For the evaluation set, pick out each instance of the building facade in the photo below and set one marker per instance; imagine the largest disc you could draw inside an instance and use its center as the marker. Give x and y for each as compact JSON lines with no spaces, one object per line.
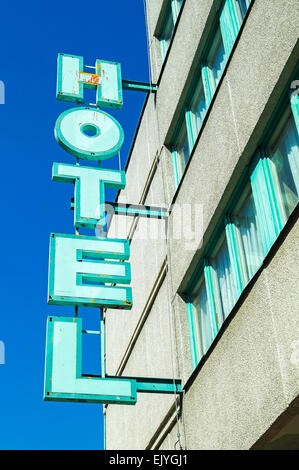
{"x":215,"y":301}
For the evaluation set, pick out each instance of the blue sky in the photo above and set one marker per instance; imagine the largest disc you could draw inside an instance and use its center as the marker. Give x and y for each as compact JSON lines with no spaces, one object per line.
{"x":31,"y":35}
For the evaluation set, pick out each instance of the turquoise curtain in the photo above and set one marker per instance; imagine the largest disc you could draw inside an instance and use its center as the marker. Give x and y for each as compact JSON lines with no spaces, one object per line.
{"x":203,"y":324}
{"x":243,"y":6}
{"x":176,"y":6}
{"x":229,"y":25}
{"x":295,"y":109}
{"x":262,"y":195}
{"x":285,"y":170}
{"x":223,"y":283}
{"x":207,"y":84}
{"x":233,"y":253}
{"x":219,"y":63}
{"x":208,"y":274}
{"x":249,"y":240}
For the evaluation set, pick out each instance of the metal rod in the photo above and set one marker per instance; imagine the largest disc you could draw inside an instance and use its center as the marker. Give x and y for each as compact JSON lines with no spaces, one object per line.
{"x":103,"y":344}
{"x":139,"y":86}
{"x":150,"y":384}
{"x":138,"y":210}
{"x":91,"y":332}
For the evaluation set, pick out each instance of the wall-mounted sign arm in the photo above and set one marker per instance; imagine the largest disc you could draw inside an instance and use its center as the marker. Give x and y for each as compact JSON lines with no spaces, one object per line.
{"x":154,"y":385}
{"x":136,"y":210}
{"x":139,"y":86}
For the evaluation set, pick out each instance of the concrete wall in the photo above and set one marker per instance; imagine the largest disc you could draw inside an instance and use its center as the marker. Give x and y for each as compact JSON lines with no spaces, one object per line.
{"x":249,"y":379}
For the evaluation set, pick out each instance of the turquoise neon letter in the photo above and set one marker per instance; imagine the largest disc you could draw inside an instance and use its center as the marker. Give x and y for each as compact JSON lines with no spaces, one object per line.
{"x":71,"y":80}
{"x":78,"y":272}
{"x":63,"y":371}
{"x":89,"y":133}
{"x":90,"y":183}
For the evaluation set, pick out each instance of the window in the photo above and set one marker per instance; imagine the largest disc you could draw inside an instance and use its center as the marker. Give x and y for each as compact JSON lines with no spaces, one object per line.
{"x":181,"y":152}
{"x":176,"y":6}
{"x":223,"y":282}
{"x":202,"y":320}
{"x":284,"y":164}
{"x":231,"y":18}
{"x":248,"y":237}
{"x":198,"y":109}
{"x":216,"y":60}
{"x":170,"y":19}
{"x":242,"y":7}
{"x":166,"y":33}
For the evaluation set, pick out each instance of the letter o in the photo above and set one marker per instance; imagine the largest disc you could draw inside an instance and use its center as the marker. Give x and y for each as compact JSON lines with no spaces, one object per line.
{"x":90,"y":134}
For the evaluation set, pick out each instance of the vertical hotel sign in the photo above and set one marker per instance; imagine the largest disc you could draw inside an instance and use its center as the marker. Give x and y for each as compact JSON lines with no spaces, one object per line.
{"x":85,"y":270}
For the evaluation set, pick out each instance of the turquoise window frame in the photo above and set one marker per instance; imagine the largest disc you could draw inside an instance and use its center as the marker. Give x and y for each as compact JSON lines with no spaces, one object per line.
{"x":258,"y":177}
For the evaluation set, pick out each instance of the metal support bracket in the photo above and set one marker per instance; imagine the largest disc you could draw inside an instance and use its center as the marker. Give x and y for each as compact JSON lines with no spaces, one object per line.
{"x":149,"y":384}
{"x":138,"y":210}
{"x":152,"y":212}
{"x":139,"y":86}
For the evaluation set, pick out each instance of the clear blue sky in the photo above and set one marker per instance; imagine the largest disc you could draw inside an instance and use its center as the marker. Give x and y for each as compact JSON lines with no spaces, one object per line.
{"x":32,"y":206}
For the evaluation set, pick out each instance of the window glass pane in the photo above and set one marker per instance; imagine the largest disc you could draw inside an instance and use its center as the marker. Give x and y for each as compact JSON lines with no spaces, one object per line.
{"x":217,"y":58}
{"x":249,"y":241}
{"x":285,"y":169}
{"x":198,"y":109}
{"x":167,"y":33}
{"x":203,"y":329}
{"x":223,"y":282}
{"x":182,"y":151}
{"x":242,"y":7}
